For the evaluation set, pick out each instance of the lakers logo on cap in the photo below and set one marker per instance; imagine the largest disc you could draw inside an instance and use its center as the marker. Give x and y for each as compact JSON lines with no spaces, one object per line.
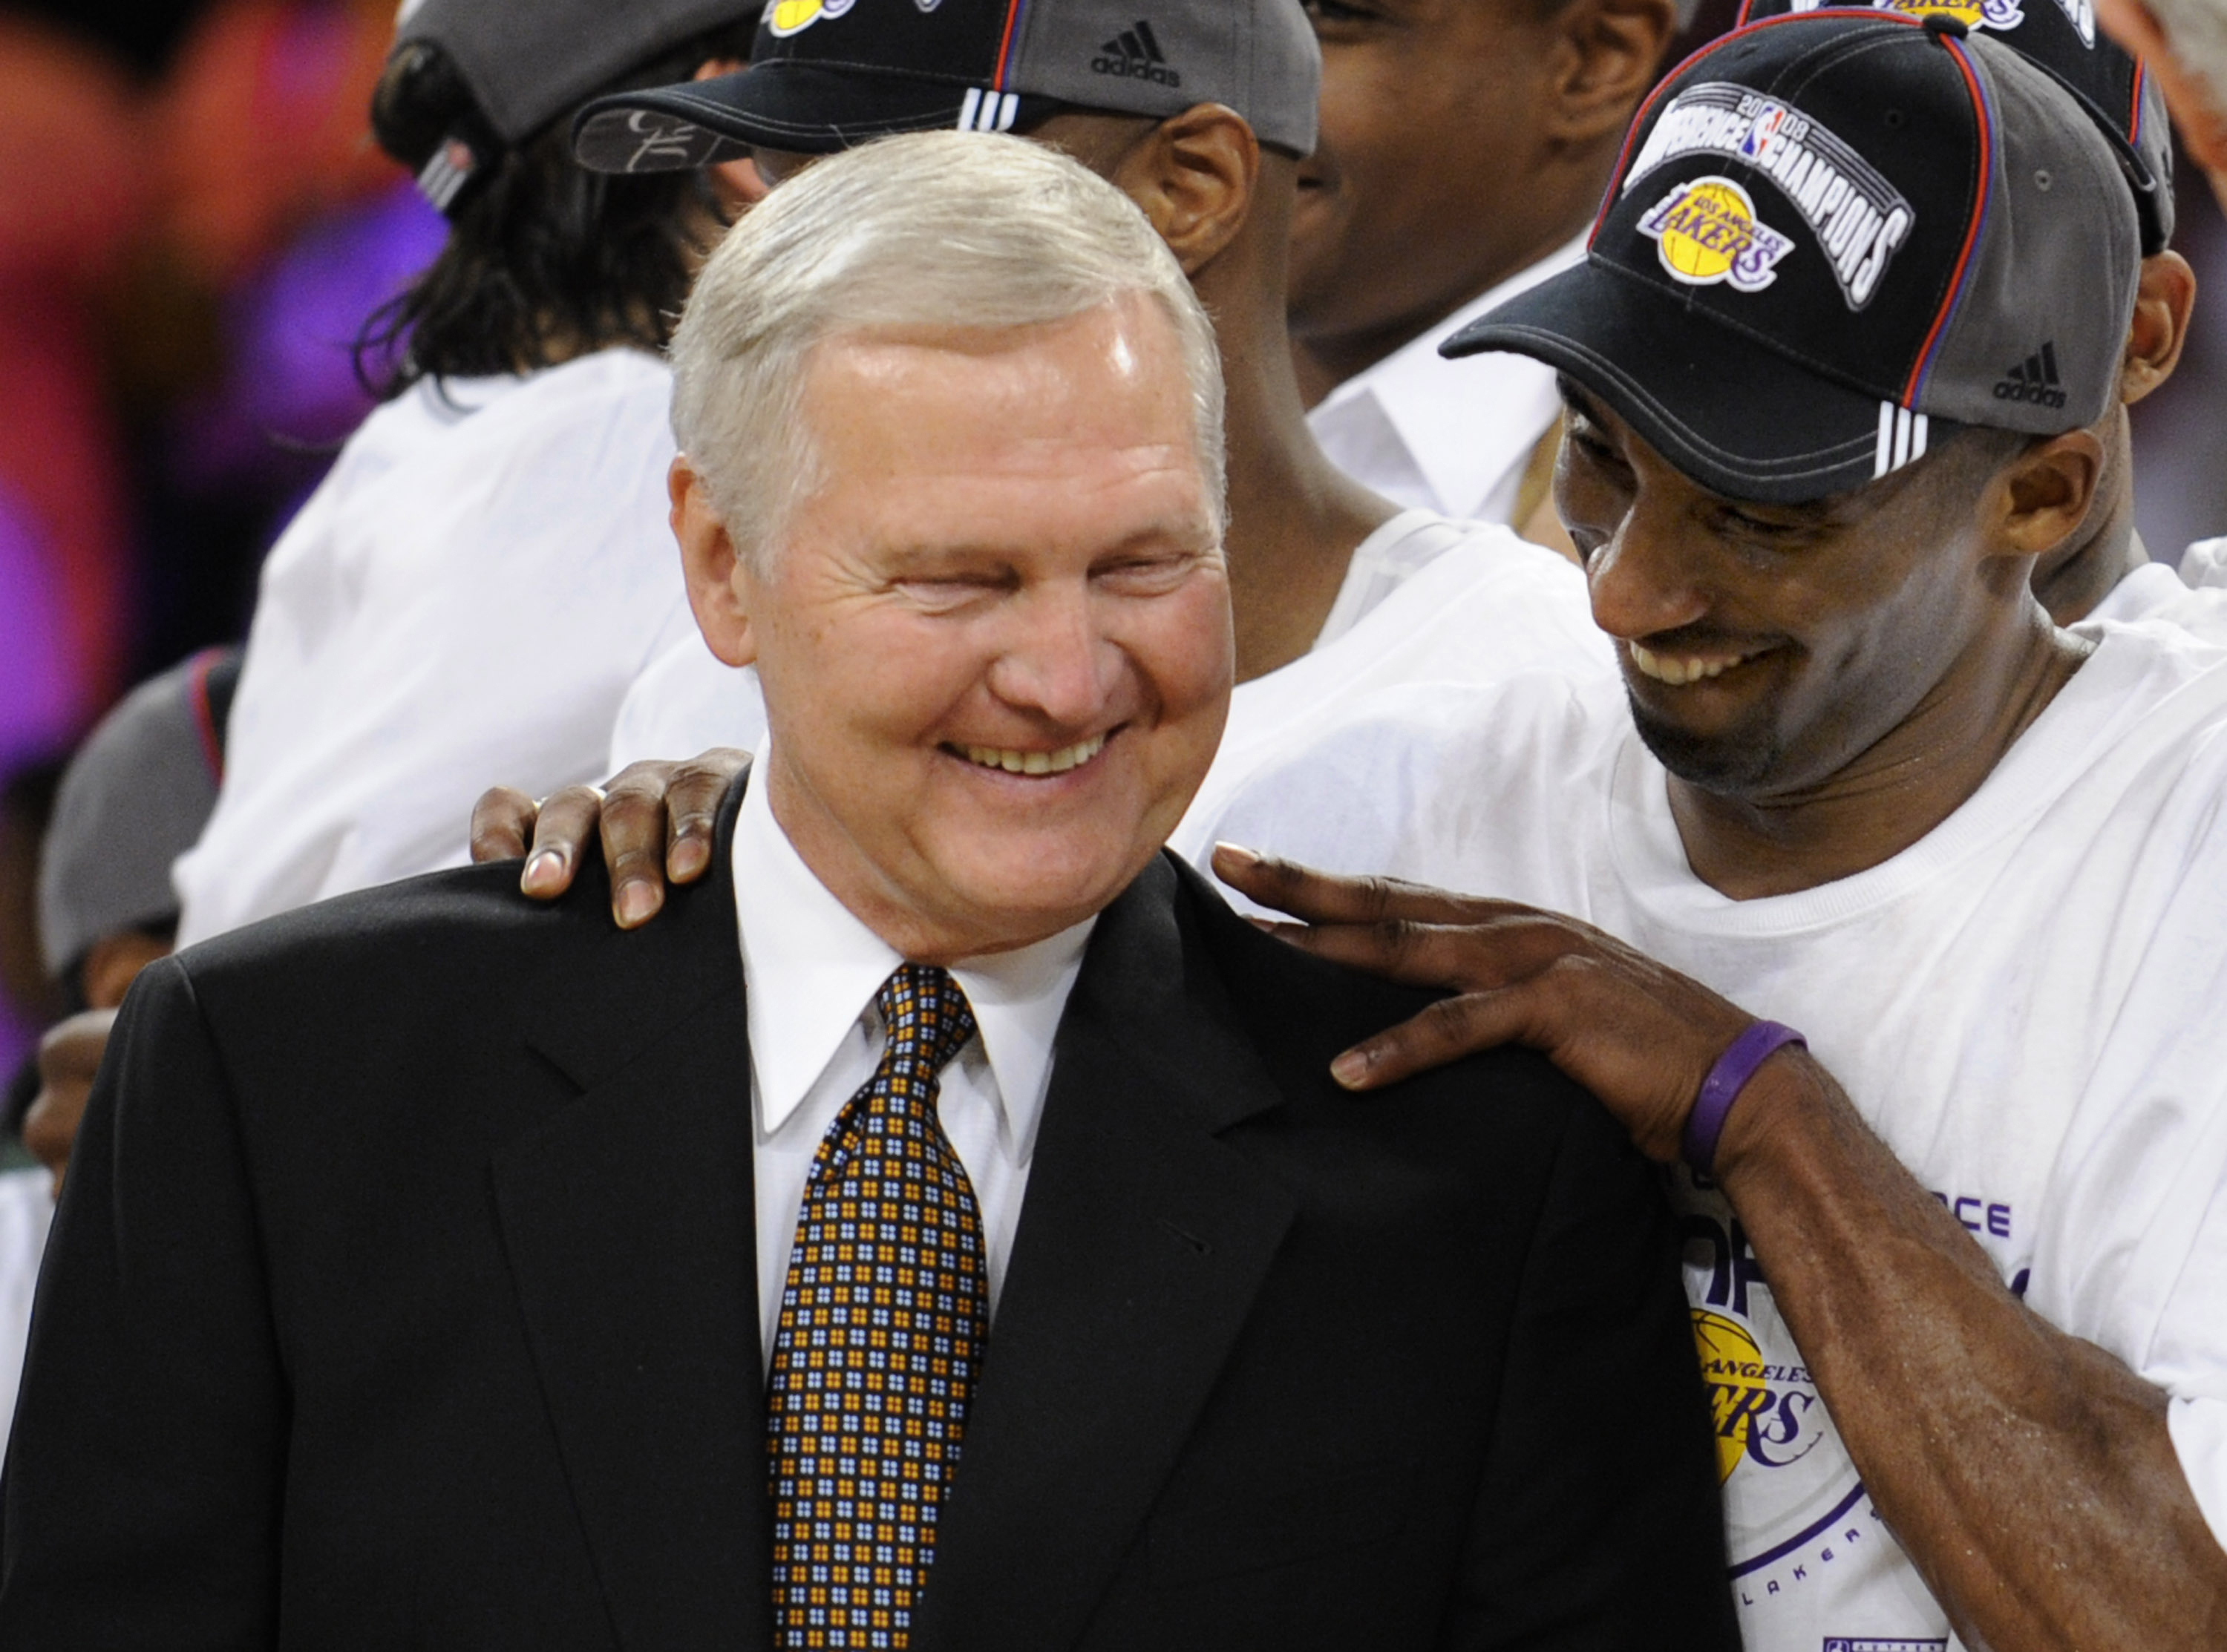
{"x":1706,"y":232}
{"x":786,"y":17}
{"x":1998,"y":15}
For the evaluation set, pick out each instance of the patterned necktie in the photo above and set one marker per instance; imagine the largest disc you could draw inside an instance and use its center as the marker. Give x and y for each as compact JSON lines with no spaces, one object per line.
{"x":882,"y":1325}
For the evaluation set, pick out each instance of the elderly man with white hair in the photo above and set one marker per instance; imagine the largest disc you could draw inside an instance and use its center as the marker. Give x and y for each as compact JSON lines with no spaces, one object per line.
{"x":941,"y":1230}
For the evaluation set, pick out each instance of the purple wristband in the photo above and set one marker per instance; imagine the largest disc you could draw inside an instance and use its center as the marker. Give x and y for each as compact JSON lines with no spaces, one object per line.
{"x":1725,"y":1083}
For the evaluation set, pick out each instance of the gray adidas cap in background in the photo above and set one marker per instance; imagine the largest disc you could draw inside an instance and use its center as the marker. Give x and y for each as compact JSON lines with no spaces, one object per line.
{"x":528,"y":61}
{"x":825,"y":74}
{"x":134,"y":798}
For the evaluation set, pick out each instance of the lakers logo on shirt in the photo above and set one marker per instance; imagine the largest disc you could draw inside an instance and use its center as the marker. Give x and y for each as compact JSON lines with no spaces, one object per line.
{"x":1706,"y":231}
{"x":786,"y":17}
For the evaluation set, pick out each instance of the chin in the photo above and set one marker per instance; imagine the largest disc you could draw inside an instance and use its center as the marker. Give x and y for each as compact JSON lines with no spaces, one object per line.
{"x":1734,"y":762}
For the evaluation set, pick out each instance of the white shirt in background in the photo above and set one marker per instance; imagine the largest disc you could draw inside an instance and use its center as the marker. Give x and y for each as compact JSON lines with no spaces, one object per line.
{"x":1451,"y":436}
{"x":2025,"y":1005}
{"x":1425,"y":600}
{"x":2204,"y":564}
{"x":26,"y":1210}
{"x":462,"y":602}
{"x":811,"y":972}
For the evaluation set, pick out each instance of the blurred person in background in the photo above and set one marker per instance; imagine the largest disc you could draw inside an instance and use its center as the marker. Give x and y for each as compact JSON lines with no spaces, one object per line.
{"x":1465,"y":147}
{"x":2185,"y":44}
{"x":71,"y":194}
{"x":134,"y":796}
{"x":486,"y":566}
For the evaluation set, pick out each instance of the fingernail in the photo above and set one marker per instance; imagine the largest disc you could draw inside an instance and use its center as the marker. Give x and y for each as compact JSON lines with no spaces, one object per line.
{"x":543,"y":872}
{"x":689,"y":855}
{"x":1238,"y":853}
{"x":1350,"y":1068}
{"x":637,"y":904}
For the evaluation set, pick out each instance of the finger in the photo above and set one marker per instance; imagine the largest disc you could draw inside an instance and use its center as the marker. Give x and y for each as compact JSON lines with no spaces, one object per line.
{"x":1443,"y":1031}
{"x":634,"y":827}
{"x":1327,"y":897}
{"x":502,"y":821}
{"x":1463,"y":958}
{"x":692,"y":805}
{"x":562,"y":831}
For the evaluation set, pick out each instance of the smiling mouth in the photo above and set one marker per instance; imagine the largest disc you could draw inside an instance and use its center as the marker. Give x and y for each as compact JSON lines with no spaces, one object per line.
{"x":1679,"y":670}
{"x":1061,"y":762}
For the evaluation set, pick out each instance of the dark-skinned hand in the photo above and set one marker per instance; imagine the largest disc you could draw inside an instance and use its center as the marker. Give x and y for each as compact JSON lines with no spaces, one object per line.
{"x":656,"y":819}
{"x":1639,"y":1035}
{"x":69,"y":1056}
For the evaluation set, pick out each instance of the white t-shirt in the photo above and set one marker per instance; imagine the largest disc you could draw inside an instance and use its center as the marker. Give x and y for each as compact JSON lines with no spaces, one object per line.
{"x":462,"y":602}
{"x":2025,"y":1005}
{"x":1425,"y":600}
{"x":1447,"y":435}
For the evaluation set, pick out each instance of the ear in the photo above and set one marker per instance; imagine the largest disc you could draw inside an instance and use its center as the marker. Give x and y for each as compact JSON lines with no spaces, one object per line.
{"x":720,"y":588}
{"x":2160,"y":329}
{"x":2040,"y":499}
{"x":1603,"y":61}
{"x":1194,"y":176}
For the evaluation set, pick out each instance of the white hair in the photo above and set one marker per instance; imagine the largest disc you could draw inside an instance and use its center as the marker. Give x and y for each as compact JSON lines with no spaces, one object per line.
{"x":930,"y":231}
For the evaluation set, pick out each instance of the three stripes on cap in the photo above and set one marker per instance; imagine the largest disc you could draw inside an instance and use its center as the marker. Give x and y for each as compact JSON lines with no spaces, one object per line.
{"x":988,"y":112}
{"x":1901,"y":439}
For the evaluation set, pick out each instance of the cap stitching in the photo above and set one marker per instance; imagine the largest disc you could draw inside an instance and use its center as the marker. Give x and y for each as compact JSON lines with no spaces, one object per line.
{"x":1984,"y":113}
{"x":1013,"y":10}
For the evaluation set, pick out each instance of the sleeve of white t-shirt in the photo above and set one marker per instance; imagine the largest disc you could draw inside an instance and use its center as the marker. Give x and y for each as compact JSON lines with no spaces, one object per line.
{"x":687,"y":700}
{"x":2134,"y":1258}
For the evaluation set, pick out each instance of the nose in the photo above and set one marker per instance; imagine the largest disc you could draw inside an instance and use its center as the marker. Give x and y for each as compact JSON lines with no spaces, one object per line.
{"x":1057,"y":663}
{"x":1642,"y":581}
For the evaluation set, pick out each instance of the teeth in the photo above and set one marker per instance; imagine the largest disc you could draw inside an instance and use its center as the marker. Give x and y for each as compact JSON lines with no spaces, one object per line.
{"x":1679,"y":673}
{"x":1035,"y":762}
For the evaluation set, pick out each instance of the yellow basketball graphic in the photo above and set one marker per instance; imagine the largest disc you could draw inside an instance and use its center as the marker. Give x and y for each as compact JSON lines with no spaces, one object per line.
{"x":1703,"y":232}
{"x":1707,"y":231}
{"x":786,"y":16}
{"x":1732,"y":1365}
{"x":1973,"y":14}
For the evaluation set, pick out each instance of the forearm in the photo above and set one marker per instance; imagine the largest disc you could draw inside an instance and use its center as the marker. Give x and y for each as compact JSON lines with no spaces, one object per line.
{"x":2028,"y":1473}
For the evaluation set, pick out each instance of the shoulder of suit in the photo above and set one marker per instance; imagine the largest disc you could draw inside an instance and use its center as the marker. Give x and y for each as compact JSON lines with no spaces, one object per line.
{"x":466,"y":928}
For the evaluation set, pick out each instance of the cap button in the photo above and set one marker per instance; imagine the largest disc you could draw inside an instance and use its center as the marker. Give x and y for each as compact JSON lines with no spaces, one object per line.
{"x":1943,"y":23}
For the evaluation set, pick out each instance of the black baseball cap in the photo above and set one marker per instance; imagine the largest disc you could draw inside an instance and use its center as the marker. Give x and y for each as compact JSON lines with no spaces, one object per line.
{"x":529,"y":61}
{"x":2110,"y":82}
{"x":825,"y":74}
{"x":1833,"y":238}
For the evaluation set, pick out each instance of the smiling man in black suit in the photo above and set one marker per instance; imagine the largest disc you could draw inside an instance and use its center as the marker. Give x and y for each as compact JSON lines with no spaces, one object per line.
{"x":943,"y":1231}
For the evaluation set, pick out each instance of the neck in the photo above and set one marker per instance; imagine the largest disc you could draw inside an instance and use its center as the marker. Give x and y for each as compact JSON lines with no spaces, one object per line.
{"x":1294,"y":518}
{"x":1895,"y":792}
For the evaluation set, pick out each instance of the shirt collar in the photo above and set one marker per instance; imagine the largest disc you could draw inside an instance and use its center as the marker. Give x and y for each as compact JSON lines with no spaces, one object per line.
{"x":1462,"y":440}
{"x":811,"y":970}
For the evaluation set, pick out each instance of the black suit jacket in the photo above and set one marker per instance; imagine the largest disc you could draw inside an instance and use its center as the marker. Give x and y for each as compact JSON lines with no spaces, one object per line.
{"x":402,"y":1295}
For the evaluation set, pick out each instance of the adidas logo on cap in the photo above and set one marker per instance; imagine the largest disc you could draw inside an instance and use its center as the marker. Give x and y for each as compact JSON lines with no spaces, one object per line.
{"x":1135,"y":55}
{"x":2033,"y":379}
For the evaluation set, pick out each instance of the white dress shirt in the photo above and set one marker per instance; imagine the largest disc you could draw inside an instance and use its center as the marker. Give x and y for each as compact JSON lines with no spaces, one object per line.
{"x":810,"y":971}
{"x":1451,"y":436}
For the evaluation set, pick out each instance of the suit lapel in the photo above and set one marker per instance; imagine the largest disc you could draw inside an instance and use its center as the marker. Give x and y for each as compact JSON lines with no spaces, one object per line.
{"x":629,"y":1225}
{"x":1142,"y":1244}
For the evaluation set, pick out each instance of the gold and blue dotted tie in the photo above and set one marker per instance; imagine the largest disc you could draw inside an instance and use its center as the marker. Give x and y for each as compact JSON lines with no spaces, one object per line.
{"x":884,"y":1322}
